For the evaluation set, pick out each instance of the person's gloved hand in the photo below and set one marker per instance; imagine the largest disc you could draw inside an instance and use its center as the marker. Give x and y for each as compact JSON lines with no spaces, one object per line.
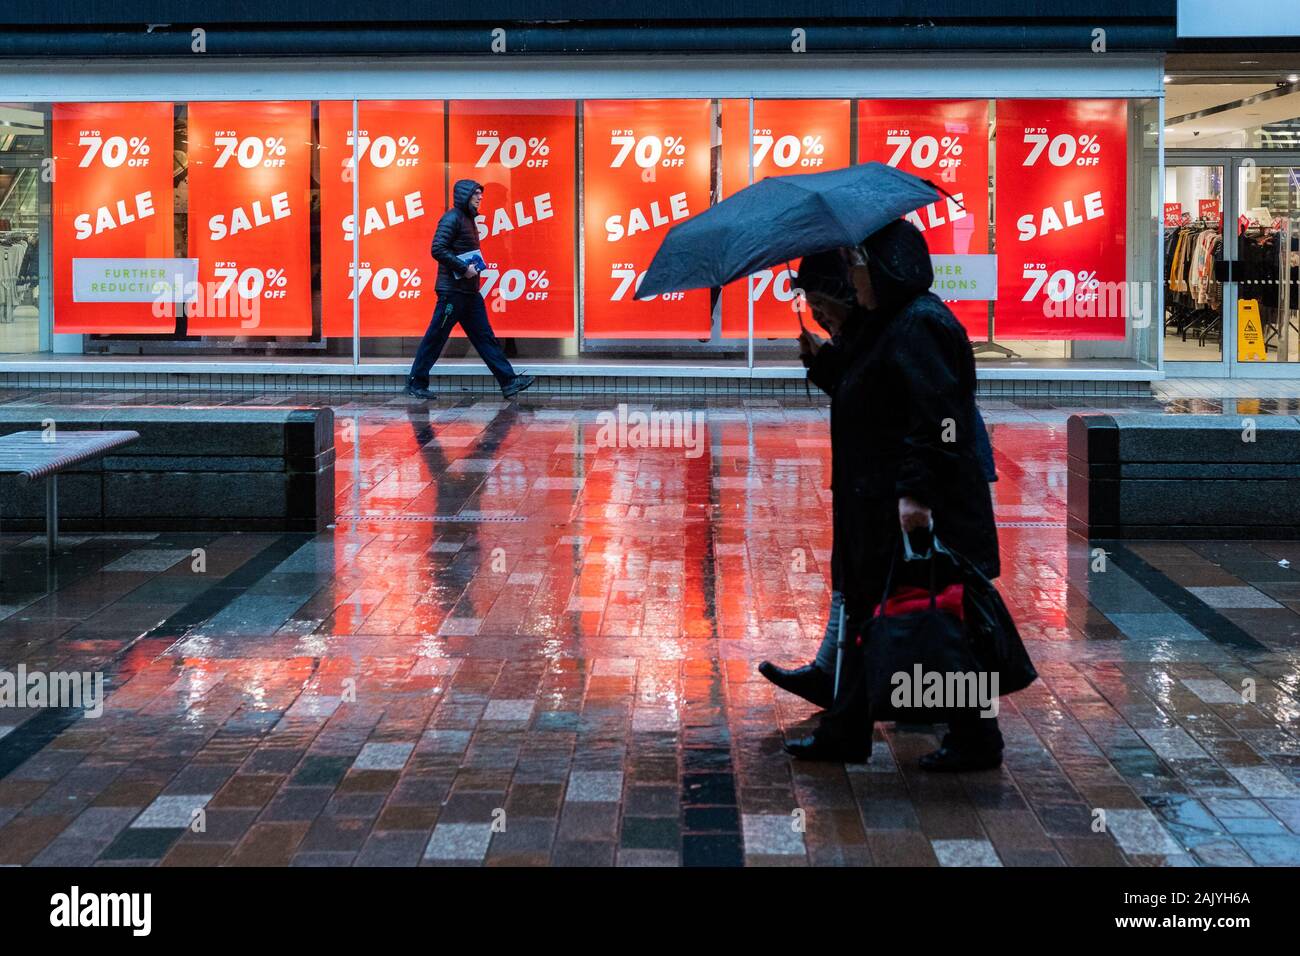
{"x":809,"y":344}
{"x":913,"y":515}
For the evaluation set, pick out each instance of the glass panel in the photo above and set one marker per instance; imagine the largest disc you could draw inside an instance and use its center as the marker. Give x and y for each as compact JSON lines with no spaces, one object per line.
{"x":788,"y":136}
{"x":524,"y":155}
{"x":1193,"y":238}
{"x":1075,"y":233}
{"x":24,"y":184}
{"x":647,"y":164}
{"x":1268,"y":250}
{"x":189,"y":229}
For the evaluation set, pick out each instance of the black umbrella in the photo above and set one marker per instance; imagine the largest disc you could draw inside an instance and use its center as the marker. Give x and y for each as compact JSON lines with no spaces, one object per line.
{"x":779,"y":219}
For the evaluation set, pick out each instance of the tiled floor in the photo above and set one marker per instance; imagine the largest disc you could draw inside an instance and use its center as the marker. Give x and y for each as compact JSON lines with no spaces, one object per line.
{"x":522,"y":647}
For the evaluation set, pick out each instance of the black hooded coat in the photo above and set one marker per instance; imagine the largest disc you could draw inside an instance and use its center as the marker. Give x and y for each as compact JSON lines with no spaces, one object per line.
{"x":903,"y":423}
{"x":456,"y":233}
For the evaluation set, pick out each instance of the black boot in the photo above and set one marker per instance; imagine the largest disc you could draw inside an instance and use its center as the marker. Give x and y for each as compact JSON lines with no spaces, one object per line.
{"x":951,"y":760}
{"x":809,"y":682}
{"x":972,"y":743}
{"x":420,"y":391}
{"x":821,"y":746}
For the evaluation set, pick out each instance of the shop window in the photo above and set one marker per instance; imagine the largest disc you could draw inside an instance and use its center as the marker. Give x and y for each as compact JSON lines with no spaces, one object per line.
{"x":282,"y":246}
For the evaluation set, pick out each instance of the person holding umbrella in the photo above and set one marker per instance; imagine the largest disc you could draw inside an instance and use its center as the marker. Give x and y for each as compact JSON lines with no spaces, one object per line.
{"x":903,"y":372}
{"x":905,"y":459}
{"x":827,"y":286}
{"x":824,"y":281}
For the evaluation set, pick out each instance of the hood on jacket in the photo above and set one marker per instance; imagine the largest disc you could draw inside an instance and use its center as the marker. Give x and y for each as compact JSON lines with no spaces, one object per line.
{"x":461,"y":192}
{"x":899,"y":262}
{"x":826,"y":273}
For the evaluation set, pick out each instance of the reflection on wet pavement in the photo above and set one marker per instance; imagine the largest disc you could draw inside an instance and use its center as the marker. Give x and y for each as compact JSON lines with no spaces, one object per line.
{"x":523,"y":645}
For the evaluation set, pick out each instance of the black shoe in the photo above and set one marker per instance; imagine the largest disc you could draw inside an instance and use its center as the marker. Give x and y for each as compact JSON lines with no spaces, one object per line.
{"x":517,"y":385}
{"x":415,"y":391}
{"x":821,"y":747}
{"x":809,"y":682}
{"x":950,"y":760}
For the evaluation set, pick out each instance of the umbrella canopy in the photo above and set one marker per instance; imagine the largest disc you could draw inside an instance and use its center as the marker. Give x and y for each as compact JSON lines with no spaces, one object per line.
{"x":779,"y":219}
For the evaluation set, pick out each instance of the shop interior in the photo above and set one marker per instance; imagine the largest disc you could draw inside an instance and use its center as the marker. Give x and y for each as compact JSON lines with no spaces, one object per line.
{"x":1232,"y":192}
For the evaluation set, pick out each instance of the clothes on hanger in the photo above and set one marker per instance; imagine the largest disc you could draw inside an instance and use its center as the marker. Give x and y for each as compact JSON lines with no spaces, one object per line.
{"x":1193,"y":295}
{"x":13,"y":252}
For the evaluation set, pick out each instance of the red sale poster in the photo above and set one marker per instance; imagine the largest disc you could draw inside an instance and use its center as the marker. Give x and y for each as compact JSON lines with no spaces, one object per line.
{"x":112,"y":198}
{"x":524,"y":154}
{"x":789,"y":136}
{"x":1061,"y":211}
{"x":250,"y":218}
{"x":401,"y":191}
{"x":645,"y":168}
{"x":945,"y":141}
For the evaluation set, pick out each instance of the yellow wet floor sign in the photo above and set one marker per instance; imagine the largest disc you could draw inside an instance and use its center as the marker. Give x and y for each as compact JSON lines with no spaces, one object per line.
{"x":1250,"y":332}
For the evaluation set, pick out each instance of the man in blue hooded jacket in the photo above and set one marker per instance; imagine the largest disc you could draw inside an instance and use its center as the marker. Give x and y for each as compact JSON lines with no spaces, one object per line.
{"x":459,"y":299}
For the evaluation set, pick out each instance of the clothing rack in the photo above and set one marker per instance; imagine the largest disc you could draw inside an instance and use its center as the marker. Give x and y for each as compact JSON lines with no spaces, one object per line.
{"x":14,"y":246}
{"x":1193,"y":299}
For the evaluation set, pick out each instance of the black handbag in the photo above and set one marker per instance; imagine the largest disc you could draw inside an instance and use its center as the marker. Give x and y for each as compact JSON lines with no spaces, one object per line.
{"x":921,"y":666}
{"x":992,"y":630}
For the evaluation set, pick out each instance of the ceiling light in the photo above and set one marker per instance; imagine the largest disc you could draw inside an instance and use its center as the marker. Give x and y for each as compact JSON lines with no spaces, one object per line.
{"x":1168,"y":77}
{"x":1293,"y":78}
{"x":1249,"y":62}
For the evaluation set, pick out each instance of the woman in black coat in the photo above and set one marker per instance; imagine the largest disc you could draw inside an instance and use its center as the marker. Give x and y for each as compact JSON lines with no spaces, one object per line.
{"x":904,"y":454}
{"x":826,"y":282}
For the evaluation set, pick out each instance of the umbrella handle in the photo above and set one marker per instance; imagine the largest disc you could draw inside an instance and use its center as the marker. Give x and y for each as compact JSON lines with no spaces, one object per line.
{"x":798,"y":311}
{"x":938,"y":188}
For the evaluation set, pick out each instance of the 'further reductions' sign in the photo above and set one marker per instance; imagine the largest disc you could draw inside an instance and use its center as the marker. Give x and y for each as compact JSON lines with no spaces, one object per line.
{"x":112,"y":198}
{"x":250,"y":218}
{"x":645,"y":168}
{"x":523,"y":154}
{"x":945,"y":141}
{"x":1061,"y":213}
{"x":789,"y":136}
{"x":401,"y":192}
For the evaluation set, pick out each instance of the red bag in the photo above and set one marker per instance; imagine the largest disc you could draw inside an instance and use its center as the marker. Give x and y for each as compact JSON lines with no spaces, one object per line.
{"x":910,"y":600}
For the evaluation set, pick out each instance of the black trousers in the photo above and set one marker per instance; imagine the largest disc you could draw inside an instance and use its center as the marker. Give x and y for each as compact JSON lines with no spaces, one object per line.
{"x":468,"y":309}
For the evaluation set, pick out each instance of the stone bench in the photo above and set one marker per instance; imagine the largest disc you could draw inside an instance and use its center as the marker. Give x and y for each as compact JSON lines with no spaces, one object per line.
{"x":194,"y":468}
{"x":1184,"y":476}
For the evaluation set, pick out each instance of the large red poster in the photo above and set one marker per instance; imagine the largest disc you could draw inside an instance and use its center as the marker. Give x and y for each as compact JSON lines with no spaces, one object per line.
{"x":789,"y":136}
{"x":112,"y":198}
{"x":945,"y":141}
{"x":1061,"y":213}
{"x":250,"y":218}
{"x":523,"y":152}
{"x":401,"y":192}
{"x":645,"y":168}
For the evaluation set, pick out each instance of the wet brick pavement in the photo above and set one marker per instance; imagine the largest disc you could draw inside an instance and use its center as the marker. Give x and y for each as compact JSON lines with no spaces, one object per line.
{"x":521,"y":647}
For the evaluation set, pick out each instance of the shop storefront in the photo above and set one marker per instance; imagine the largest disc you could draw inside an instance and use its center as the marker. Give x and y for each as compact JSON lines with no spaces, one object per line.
{"x":260,"y":213}
{"x":1231,"y":208}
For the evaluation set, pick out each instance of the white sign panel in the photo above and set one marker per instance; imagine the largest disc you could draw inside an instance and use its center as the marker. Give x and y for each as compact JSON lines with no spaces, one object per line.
{"x":965,"y":278}
{"x":133,"y":280}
